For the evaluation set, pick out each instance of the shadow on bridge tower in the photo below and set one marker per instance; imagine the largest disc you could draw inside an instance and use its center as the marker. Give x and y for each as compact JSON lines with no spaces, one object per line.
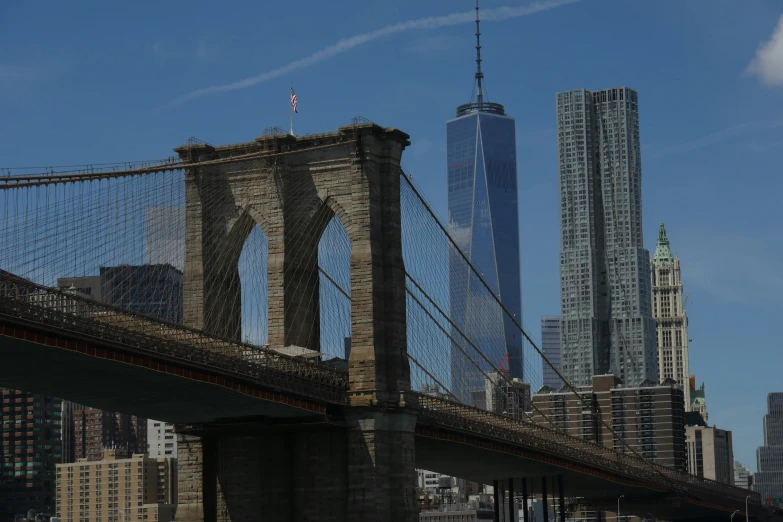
{"x":361,"y":467}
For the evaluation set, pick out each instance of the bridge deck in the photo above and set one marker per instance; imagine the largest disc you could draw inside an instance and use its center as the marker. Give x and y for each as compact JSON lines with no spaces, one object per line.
{"x":185,"y":376}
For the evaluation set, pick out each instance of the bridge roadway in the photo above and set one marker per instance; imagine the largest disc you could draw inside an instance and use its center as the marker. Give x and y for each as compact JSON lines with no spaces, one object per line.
{"x":61,"y":345}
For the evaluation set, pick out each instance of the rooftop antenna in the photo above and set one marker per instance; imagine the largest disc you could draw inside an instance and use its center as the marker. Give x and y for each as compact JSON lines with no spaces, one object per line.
{"x":479,"y":105}
{"x":479,"y":74}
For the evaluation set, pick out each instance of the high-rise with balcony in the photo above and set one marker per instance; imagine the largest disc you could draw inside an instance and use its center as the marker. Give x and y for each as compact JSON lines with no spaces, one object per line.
{"x":669,"y":314}
{"x":606,"y":321}
{"x":484,"y":222}
{"x":31,"y":447}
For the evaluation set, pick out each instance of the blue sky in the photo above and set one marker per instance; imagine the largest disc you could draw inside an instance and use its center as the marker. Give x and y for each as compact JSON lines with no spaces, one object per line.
{"x":93,"y":82}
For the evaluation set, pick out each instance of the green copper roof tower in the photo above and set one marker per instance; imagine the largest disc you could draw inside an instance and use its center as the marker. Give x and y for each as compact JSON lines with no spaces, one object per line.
{"x":663,"y":252}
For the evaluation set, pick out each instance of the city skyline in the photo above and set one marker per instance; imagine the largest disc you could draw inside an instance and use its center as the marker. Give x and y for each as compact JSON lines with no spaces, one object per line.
{"x":688,"y":142}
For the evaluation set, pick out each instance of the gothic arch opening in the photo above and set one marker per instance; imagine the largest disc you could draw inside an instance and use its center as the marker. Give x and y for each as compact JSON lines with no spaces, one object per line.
{"x":334,"y":272}
{"x":253,"y":263}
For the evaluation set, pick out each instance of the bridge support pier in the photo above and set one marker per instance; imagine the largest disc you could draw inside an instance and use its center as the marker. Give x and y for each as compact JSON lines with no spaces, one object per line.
{"x":195,"y":469}
{"x":526,"y":513}
{"x":381,"y":463}
{"x":315,"y":473}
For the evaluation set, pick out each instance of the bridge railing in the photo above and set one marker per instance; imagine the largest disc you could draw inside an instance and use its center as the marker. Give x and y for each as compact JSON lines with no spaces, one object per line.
{"x":471,"y":420}
{"x":26,"y":302}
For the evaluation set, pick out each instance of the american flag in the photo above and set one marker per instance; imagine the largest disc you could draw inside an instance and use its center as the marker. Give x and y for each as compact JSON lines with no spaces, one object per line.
{"x":293,"y":100}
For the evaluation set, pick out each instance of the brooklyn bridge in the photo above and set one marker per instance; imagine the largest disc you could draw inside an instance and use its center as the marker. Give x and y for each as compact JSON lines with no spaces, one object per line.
{"x":311,"y":360}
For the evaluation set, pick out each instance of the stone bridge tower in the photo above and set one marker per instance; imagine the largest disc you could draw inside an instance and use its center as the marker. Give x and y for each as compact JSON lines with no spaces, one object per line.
{"x":365,"y":469}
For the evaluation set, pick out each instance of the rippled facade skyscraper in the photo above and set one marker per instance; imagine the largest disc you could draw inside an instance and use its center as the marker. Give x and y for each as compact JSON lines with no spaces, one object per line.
{"x":606,"y":323}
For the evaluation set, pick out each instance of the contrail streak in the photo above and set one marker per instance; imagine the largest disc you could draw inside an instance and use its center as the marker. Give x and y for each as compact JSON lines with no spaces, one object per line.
{"x":346,"y":44}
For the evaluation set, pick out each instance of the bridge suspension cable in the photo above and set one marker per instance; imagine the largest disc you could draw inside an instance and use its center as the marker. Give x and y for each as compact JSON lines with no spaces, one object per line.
{"x":490,"y":300}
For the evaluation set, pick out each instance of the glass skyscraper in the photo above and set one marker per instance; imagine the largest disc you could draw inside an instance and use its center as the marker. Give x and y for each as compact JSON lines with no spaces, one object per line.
{"x":606,"y":321}
{"x":483,"y":220}
{"x":484,"y":223}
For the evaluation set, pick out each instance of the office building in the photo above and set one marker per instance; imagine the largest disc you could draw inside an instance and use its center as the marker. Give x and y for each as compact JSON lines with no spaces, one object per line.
{"x":710,"y":453}
{"x":669,"y":314}
{"x":698,"y":399}
{"x":550,"y":345}
{"x":161,"y":439}
{"x":117,"y":488}
{"x":67,"y":430}
{"x":483,"y":220}
{"x":743,"y":478}
{"x":606,"y":323}
{"x":649,"y":416}
{"x":768,"y":479}
{"x":154,"y":290}
{"x":31,"y":447}
{"x":96,"y":430}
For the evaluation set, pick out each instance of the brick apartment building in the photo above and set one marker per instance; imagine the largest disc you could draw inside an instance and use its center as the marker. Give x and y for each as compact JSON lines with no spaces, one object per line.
{"x":650,"y":416}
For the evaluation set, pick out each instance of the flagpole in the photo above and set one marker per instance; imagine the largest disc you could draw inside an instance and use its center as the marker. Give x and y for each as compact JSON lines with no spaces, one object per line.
{"x":291,"y":109}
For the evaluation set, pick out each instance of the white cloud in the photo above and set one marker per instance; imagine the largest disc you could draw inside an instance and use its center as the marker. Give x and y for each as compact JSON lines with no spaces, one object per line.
{"x":346,"y":44}
{"x":434,"y":45}
{"x":716,"y":137}
{"x":163,"y":53}
{"x":768,"y":62}
{"x":206,"y":53}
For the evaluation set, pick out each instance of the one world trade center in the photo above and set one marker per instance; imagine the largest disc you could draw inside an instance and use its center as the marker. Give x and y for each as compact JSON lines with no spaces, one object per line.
{"x":484,"y":223}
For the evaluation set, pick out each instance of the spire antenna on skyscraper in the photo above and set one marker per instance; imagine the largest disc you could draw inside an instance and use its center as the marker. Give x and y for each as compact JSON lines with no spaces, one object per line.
{"x":479,"y":74}
{"x":479,"y":105}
